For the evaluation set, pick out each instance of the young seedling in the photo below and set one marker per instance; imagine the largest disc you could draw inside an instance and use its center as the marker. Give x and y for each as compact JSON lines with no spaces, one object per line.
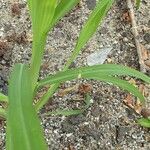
{"x":138,"y":3}
{"x":23,"y":126}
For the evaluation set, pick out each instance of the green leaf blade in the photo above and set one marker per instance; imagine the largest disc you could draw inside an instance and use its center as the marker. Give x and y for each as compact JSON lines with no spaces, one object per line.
{"x":144,"y":122}
{"x":3,"y":98}
{"x":120,"y":83}
{"x":42,"y":12}
{"x":104,"y":73}
{"x":62,"y":8}
{"x":90,"y":27}
{"x":105,"y":69}
{"x":23,"y":127}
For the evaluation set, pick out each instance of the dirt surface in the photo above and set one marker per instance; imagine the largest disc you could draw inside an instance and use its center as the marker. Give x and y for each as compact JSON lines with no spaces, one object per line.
{"x":108,"y":124}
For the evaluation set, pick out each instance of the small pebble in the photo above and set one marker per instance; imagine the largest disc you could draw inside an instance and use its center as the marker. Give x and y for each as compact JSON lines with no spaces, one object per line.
{"x":125,"y":39}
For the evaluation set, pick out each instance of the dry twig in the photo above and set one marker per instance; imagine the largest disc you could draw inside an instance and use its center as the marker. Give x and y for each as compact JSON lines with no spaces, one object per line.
{"x":136,"y":35}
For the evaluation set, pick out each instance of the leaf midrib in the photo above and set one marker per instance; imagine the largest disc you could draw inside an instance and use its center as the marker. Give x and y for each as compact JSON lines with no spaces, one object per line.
{"x":21,"y":109}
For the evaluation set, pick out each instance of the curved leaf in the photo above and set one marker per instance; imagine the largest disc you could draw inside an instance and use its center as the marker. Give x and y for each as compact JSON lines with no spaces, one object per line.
{"x":90,"y":27}
{"x":23,"y":126}
{"x":70,"y":112}
{"x":120,"y":83}
{"x":105,"y":69}
{"x":62,"y":8}
{"x":87,"y":31}
{"x":100,"y":72}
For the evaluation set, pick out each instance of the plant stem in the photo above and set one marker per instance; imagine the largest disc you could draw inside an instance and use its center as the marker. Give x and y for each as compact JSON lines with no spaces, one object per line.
{"x":37,"y":55}
{"x":46,"y":96}
{"x":136,"y":35}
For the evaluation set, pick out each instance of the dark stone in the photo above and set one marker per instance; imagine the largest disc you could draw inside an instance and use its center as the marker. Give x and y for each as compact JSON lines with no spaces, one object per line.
{"x":96,"y":111}
{"x":91,"y":4}
{"x":76,"y":119}
{"x":123,"y":47}
{"x":148,"y":72}
{"x":4,"y":46}
{"x":73,"y":65}
{"x":1,"y":81}
{"x":67,"y":128}
{"x":130,"y":113}
{"x":149,"y":23}
{"x":147,"y":37}
{"x":103,"y":119}
{"x":121,"y":131}
{"x":92,"y":132}
{"x":103,"y":30}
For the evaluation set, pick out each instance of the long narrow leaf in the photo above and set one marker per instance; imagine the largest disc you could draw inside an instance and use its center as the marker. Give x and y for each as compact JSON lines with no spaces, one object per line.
{"x":70,"y":112}
{"x":114,"y":80}
{"x":23,"y":126}
{"x":62,"y":8}
{"x":120,"y":83}
{"x":100,"y":72}
{"x":42,"y":12}
{"x":105,"y":69}
{"x":90,"y":27}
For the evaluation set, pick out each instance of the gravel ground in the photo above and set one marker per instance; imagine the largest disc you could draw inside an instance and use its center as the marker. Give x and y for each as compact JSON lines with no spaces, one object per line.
{"x":108,"y":124}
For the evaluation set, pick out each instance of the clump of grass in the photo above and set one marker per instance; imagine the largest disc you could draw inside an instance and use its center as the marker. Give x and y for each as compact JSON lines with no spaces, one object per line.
{"x":23,"y":126}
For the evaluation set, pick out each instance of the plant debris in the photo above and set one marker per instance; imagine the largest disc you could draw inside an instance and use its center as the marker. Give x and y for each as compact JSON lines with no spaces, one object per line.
{"x":16,"y":9}
{"x":4,"y":46}
{"x":136,"y":105}
{"x":84,"y":88}
{"x":145,"y":112}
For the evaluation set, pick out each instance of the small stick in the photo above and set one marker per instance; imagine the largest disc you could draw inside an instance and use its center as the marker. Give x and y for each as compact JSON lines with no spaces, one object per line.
{"x":136,"y":35}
